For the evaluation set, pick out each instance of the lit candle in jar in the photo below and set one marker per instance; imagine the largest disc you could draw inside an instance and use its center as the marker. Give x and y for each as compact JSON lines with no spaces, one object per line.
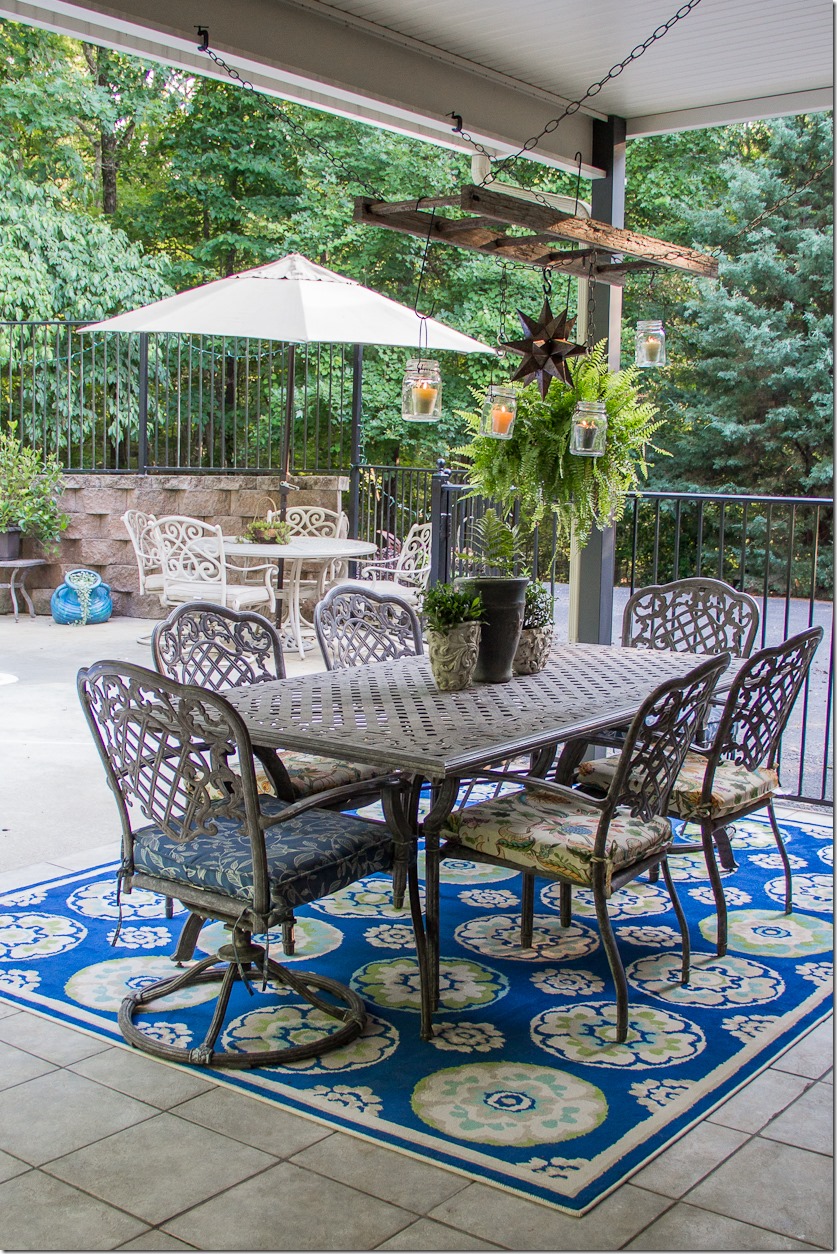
{"x":424,"y":398}
{"x":586,"y":434}
{"x":501,"y":419}
{"x":652,"y":347}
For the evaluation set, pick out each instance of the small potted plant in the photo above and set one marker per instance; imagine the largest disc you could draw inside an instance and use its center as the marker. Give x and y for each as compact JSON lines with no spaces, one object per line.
{"x":29,"y":489}
{"x":495,"y":552}
{"x":453,"y":619}
{"x":267,"y":531}
{"x":538,"y":628}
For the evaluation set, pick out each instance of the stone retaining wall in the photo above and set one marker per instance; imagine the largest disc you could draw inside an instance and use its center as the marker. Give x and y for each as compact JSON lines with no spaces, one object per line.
{"x":96,"y":537}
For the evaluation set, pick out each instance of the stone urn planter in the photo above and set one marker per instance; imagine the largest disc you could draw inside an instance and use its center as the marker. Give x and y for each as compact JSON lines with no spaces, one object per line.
{"x":453,"y":655}
{"x":532,"y":652}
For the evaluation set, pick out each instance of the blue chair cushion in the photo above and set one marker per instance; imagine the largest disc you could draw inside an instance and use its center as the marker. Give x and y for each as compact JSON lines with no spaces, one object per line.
{"x":308,"y":857}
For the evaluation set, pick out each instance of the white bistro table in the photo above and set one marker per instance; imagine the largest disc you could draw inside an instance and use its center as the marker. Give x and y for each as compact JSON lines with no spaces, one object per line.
{"x":295,"y":554}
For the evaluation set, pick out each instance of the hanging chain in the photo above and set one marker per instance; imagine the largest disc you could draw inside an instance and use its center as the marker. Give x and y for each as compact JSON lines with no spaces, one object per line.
{"x":547,"y":283}
{"x":592,"y":90}
{"x":504,"y":293}
{"x":751,"y":226}
{"x":289,"y":122}
{"x":591,"y":305}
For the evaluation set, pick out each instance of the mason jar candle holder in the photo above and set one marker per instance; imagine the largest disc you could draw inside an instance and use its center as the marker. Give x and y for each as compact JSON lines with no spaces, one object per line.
{"x":421,"y":392}
{"x":589,"y":429}
{"x":650,"y":343}
{"x":498,"y":413}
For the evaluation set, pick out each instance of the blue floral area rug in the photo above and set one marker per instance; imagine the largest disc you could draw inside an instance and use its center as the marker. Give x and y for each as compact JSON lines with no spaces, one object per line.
{"x":522,"y":1085}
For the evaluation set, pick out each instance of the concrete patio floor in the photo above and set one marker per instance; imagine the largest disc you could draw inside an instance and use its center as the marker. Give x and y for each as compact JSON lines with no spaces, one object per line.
{"x":104,"y":1148}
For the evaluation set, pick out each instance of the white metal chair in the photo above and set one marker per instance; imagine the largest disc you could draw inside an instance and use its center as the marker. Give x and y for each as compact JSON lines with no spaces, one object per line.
{"x":408,"y":577}
{"x":316,"y":520}
{"x":195,"y":567}
{"x":140,"y":528}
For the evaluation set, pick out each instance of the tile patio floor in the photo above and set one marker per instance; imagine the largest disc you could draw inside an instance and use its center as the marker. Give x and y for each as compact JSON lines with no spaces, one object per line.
{"x":102,"y":1148}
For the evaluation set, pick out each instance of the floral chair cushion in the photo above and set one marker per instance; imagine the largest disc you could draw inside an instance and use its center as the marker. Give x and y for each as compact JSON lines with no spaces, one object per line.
{"x":555,"y":836}
{"x":310,"y":775}
{"x":733,"y":786}
{"x":308,"y":857}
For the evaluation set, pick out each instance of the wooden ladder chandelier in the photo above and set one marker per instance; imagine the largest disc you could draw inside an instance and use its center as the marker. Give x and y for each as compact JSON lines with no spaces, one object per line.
{"x":602,"y":253}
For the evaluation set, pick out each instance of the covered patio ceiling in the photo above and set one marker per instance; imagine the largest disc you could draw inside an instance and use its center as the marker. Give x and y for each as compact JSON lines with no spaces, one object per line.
{"x":505,"y":66}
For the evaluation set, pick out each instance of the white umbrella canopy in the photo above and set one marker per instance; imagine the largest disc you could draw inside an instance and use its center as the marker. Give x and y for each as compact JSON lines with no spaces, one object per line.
{"x":296,"y":301}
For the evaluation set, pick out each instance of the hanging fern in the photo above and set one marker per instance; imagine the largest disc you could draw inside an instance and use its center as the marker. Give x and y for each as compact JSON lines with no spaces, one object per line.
{"x":535,"y":466}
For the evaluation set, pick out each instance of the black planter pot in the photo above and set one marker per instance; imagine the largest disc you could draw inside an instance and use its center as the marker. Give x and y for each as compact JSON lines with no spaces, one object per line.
{"x":10,"y":544}
{"x":503,"y":600}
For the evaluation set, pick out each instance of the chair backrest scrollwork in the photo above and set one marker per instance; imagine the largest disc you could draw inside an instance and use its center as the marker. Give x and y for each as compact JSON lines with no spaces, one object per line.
{"x":166,"y":750}
{"x":693,"y":616}
{"x":760,"y":702}
{"x":413,"y":563}
{"x":217,"y":648}
{"x":316,"y":520}
{"x":658,"y":739}
{"x":140,"y":528}
{"x":192,"y":552}
{"x":355,"y":626}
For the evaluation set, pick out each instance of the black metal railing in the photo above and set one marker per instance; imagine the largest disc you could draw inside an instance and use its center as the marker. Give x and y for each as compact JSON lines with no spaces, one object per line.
{"x":109,"y":401}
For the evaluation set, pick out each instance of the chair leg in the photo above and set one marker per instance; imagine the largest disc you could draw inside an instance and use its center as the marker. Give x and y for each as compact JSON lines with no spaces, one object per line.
{"x":614,"y":958}
{"x":566,"y":901}
{"x":685,"y":943}
{"x":188,"y":939}
{"x":706,"y":833}
{"x":722,"y":840}
{"x":527,"y":909}
{"x":431,"y":891}
{"x":783,"y":853}
{"x":288,"y":940}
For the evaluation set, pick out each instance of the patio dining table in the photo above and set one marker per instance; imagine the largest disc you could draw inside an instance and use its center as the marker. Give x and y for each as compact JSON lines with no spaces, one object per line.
{"x":302,"y":550}
{"x":391,"y":715}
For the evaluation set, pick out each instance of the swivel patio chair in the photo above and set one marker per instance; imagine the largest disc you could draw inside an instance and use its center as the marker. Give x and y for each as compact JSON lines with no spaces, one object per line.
{"x":559,"y":833}
{"x":139,"y":526}
{"x":197,"y":830}
{"x":407,"y":577}
{"x":195,"y":567}
{"x":738,"y":773}
{"x":356,"y":625}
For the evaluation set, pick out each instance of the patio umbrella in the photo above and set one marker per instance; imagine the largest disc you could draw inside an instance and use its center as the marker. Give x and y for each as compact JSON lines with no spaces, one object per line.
{"x":296,"y":301}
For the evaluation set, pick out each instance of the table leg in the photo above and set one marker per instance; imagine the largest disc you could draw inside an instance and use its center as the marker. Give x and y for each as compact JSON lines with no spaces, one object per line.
{"x":444,"y":799}
{"x":293,"y":607}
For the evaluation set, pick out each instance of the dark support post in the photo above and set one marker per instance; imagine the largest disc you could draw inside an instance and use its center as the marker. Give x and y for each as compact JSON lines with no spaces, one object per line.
{"x":354,"y":451}
{"x":598,"y":558}
{"x":440,"y":526}
{"x":142,"y":401}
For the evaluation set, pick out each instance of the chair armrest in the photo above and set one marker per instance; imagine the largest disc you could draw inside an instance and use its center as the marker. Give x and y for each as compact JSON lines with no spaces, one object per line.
{"x":536,"y":784}
{"x":325,"y":800}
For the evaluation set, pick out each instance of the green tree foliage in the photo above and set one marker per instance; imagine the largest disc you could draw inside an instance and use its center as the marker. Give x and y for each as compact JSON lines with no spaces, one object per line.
{"x":748,"y":397}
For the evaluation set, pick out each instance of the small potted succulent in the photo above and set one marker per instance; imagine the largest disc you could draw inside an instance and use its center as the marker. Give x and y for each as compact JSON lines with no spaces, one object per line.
{"x":495,"y":551}
{"x":30,"y":485}
{"x":267,"y":531}
{"x":453,"y":619}
{"x":538,"y":628}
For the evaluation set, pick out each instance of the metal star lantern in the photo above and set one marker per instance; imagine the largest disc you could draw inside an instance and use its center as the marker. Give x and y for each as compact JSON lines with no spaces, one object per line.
{"x":544,"y":348}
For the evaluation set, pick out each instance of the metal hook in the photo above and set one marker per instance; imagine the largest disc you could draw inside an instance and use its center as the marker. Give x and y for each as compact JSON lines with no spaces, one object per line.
{"x":457,"y":117}
{"x":203,"y":36}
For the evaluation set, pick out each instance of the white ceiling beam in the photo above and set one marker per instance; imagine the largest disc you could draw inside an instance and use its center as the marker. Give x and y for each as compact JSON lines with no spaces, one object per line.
{"x":310,"y":56}
{"x":732,"y":111}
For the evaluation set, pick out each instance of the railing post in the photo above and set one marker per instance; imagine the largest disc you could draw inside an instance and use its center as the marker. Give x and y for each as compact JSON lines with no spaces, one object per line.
{"x":142,"y":402}
{"x":354,"y":450}
{"x":440,"y":525}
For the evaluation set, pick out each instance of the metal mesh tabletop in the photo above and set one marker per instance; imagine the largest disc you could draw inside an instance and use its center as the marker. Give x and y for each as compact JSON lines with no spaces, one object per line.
{"x":392,"y":714}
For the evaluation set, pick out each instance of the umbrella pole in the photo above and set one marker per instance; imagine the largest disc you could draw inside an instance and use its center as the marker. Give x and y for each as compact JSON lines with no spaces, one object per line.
{"x":290,"y":388}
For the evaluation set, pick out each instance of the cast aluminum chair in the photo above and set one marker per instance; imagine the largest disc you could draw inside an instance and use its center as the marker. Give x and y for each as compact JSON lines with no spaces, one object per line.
{"x":195,"y":829}
{"x":195,"y":567}
{"x":738,"y":773}
{"x":356,"y":625}
{"x":139,"y":526}
{"x":692,"y":616}
{"x":218,"y":649}
{"x":316,"y":520}
{"x":407,"y":577}
{"x":563,"y":835}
